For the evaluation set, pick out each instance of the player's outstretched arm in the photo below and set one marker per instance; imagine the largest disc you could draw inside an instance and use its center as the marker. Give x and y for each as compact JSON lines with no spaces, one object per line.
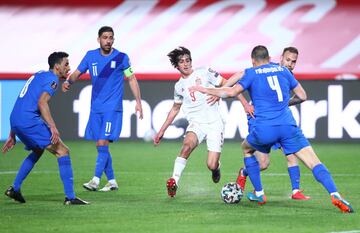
{"x":70,"y":80}
{"x":10,"y":142}
{"x":212,"y":99}
{"x":223,"y":92}
{"x":234,"y":79}
{"x":169,"y":119}
{"x":135,"y":89}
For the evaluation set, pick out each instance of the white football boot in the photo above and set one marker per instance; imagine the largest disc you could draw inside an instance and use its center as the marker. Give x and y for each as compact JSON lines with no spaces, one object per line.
{"x":91,"y":185}
{"x":113,"y":186}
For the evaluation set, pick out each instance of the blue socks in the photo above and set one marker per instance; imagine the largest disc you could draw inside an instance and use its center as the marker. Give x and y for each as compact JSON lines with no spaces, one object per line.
{"x":253,"y":170}
{"x":245,"y":173}
{"x":104,"y":162}
{"x":24,"y":170}
{"x":323,"y":176}
{"x":294,"y":173}
{"x":66,"y":175}
{"x":109,"y":171}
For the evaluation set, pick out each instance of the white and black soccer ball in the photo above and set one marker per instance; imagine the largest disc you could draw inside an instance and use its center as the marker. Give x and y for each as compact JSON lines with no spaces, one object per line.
{"x":149,"y":135}
{"x":231,"y":193}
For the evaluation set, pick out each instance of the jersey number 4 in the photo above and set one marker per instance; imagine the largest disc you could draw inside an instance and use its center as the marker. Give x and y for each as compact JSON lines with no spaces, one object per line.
{"x":275,"y":86}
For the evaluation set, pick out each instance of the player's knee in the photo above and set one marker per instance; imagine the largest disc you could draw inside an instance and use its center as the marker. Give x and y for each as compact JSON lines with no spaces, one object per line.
{"x":247,"y":149}
{"x":292,"y":161}
{"x":264,"y":164}
{"x":186,"y":149}
{"x":63,"y":150}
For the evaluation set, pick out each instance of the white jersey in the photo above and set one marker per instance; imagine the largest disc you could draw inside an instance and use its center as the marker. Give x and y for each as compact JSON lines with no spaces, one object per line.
{"x":195,"y":105}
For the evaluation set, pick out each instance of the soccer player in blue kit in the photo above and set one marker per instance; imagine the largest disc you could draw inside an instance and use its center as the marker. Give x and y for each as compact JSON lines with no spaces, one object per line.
{"x":288,"y":59}
{"x":107,"y":67}
{"x":32,"y":123}
{"x":269,"y":86}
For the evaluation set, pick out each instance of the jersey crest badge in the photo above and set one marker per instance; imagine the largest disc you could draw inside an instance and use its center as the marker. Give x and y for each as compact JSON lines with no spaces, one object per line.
{"x":198,"y":81}
{"x":54,"y":85}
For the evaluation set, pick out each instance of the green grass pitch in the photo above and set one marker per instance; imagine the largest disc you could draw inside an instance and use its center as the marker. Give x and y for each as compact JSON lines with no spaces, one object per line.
{"x":141,"y":204}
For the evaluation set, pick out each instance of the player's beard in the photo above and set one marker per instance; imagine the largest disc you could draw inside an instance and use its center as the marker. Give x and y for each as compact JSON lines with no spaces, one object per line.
{"x":106,"y":49}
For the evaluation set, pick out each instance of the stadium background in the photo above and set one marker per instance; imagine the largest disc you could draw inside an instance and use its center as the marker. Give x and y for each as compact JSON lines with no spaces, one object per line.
{"x":220,"y":34}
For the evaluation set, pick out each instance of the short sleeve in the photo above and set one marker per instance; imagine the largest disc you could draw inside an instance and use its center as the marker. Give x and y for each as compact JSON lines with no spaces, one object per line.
{"x":83,"y":66}
{"x":178,"y":98}
{"x":214,"y":77}
{"x":51,"y":86}
{"x":246,"y":79}
{"x":128,"y":71}
{"x":292,"y":81}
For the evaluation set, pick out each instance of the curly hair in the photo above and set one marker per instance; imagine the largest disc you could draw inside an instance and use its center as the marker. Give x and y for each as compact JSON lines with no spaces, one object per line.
{"x":175,"y":55}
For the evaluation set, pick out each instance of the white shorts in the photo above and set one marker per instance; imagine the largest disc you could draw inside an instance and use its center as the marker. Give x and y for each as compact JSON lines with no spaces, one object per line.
{"x":213,"y":133}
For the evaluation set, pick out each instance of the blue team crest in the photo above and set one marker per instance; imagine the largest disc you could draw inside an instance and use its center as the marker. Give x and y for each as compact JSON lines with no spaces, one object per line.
{"x":113,"y":64}
{"x":54,"y":85}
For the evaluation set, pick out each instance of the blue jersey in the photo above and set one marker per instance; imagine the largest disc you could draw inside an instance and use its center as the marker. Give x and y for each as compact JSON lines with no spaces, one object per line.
{"x":107,"y":78}
{"x":26,"y":112}
{"x":269,"y":88}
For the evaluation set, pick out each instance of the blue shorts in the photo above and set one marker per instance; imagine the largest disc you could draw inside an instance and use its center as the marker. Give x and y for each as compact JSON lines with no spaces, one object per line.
{"x":276,"y":146}
{"x":104,"y":126}
{"x":250,"y":123}
{"x":290,"y":138}
{"x":34,"y":137}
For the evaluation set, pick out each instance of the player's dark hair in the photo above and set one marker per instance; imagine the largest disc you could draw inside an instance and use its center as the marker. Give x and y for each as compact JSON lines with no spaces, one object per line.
{"x":105,"y":29}
{"x":177,"y":53}
{"x":291,"y":50}
{"x":56,"y":58}
{"x":260,"y":53}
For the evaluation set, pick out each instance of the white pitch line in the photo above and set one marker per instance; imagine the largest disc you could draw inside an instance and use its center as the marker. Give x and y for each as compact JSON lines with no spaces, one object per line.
{"x":352,"y":231}
{"x":36,"y":172}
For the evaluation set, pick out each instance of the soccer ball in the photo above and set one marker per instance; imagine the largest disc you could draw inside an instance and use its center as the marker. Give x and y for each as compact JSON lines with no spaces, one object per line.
{"x":231,"y":193}
{"x":149,"y":135}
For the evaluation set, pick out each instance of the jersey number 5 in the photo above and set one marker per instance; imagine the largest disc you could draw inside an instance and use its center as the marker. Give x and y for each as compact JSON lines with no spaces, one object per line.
{"x":275,"y":86}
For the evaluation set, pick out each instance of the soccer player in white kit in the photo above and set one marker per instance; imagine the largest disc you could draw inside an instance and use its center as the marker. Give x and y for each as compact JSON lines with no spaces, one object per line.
{"x":205,"y":120}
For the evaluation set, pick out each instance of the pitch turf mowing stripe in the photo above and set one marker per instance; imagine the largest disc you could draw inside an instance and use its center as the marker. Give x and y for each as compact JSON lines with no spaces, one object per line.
{"x":186,"y":173}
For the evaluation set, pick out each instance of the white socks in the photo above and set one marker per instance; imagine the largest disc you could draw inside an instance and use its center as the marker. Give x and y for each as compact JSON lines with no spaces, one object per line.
{"x":258,"y":194}
{"x":113,"y":182}
{"x":335,"y":193}
{"x":179,"y":166}
{"x":295,"y":191}
{"x":96,"y":180}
